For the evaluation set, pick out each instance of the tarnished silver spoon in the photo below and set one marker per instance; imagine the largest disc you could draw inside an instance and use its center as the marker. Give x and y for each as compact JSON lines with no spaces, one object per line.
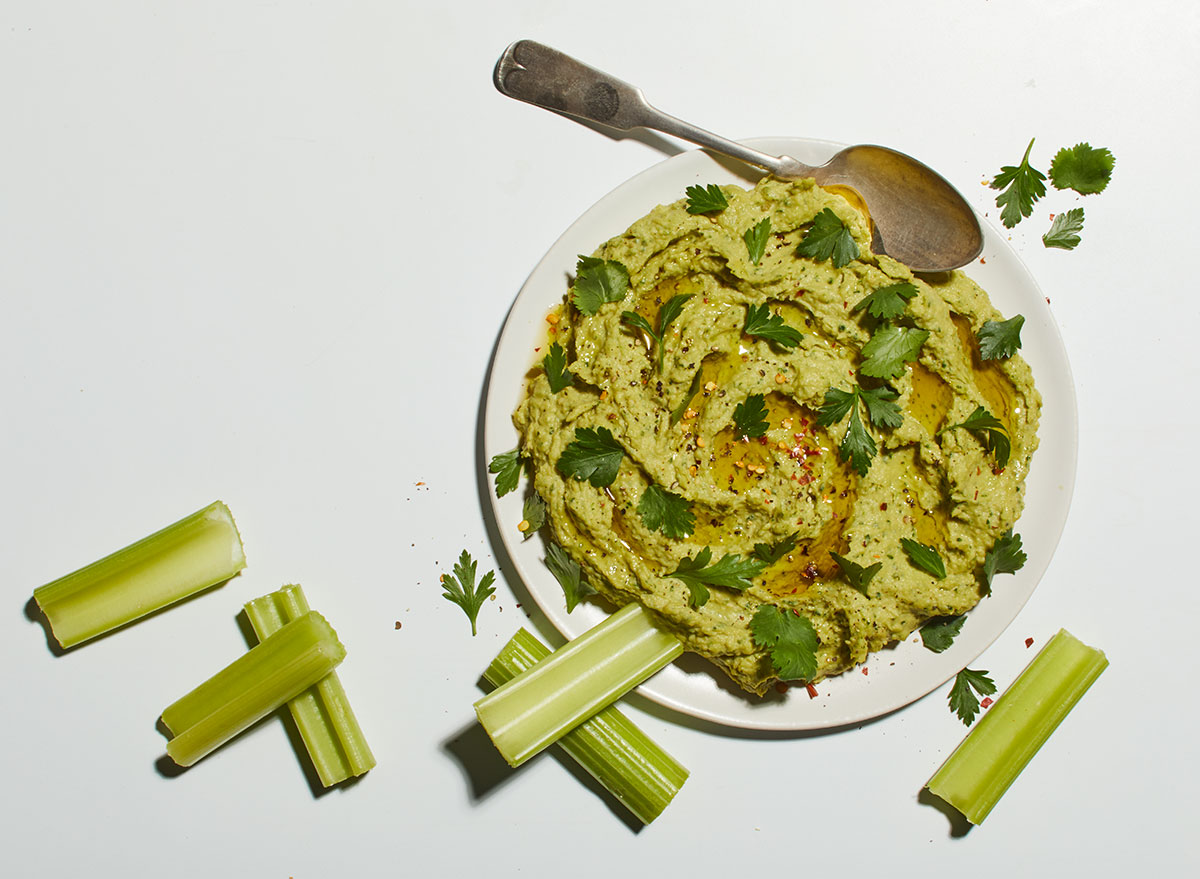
{"x":917,"y":217}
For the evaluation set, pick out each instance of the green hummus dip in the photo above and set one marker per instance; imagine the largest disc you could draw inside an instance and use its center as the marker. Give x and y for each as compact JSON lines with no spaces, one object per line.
{"x":931,"y":481}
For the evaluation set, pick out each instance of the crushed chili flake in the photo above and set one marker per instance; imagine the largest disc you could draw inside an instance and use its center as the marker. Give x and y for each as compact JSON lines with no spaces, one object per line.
{"x":812,"y":691}
{"x":1028,"y":642}
{"x":987,"y":702}
{"x":781,"y":687}
{"x":865,"y":669}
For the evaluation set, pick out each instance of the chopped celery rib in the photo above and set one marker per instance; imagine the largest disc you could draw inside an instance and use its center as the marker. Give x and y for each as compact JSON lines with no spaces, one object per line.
{"x":182,"y":559}
{"x":322,"y":713}
{"x":536,"y":707}
{"x":993,"y":754}
{"x":608,"y":745}
{"x":284,"y":665}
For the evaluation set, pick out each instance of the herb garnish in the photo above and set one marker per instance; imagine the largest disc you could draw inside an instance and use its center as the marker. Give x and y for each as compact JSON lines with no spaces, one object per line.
{"x":750,"y":416}
{"x":598,"y":281}
{"x":856,"y":575}
{"x":1064,"y":230}
{"x":989,"y":430}
{"x":693,"y":389}
{"x":667,"y":312}
{"x":790,"y":639}
{"x":889,"y":349}
{"x":533,"y":514}
{"x":924,"y":557}
{"x":665,"y":511}
{"x":857,"y":445}
{"x":965,"y":703}
{"x":555,"y":365}
{"x":461,"y":589}
{"x":594,"y":455}
{"x":705,"y":199}
{"x":773,"y":552}
{"x":568,"y":574}
{"x":760,"y":322}
{"x":887,"y":302}
{"x":756,"y":238}
{"x":1083,"y":168}
{"x":1025,"y":185}
{"x":731,"y":572}
{"x":939,"y":633}
{"x":1005,"y":557}
{"x":828,"y":237}
{"x":507,"y":467}
{"x":1000,"y":339}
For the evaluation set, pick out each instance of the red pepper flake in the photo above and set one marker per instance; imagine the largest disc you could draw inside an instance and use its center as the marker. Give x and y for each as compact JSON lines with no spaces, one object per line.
{"x":976,"y":494}
{"x":1028,"y":642}
{"x":982,"y":261}
{"x":987,"y":702}
{"x":865,"y":669}
{"x":883,"y":507}
{"x":812,"y":691}
{"x":781,"y":687}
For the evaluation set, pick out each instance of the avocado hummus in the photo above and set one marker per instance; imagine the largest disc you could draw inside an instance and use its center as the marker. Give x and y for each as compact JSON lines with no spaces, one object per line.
{"x":685,"y":414}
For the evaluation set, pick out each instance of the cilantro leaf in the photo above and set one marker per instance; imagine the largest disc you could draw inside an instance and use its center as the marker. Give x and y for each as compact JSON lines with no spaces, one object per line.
{"x":963,"y":702}
{"x":507,"y":467}
{"x":667,"y":312}
{"x":731,"y":572}
{"x":989,"y":430}
{"x":750,"y":416}
{"x":888,"y":302}
{"x":461,"y":589}
{"x":1025,"y":185}
{"x":756,"y":238}
{"x":636,"y":320}
{"x":1000,"y":339}
{"x":693,"y":389}
{"x":939,"y":633}
{"x":856,"y":575}
{"x":705,"y":199}
{"x":594,"y":455}
{"x":881,"y":411}
{"x":1083,"y":168}
{"x":828,"y":237}
{"x":555,"y":365}
{"x":857,"y":445}
{"x":760,"y":322}
{"x":598,"y":281}
{"x":773,"y":552}
{"x":1064,"y":230}
{"x":889,"y":349}
{"x":924,"y":557}
{"x":790,"y":639}
{"x":533,"y":512}
{"x":568,"y":574}
{"x":665,"y":511}
{"x":1005,"y":557}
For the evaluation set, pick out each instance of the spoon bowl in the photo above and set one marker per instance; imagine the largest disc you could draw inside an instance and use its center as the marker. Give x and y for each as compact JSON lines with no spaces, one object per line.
{"x":916,"y":216}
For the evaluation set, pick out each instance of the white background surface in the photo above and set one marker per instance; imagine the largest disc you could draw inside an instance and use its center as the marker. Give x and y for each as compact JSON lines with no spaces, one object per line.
{"x":261,"y":252}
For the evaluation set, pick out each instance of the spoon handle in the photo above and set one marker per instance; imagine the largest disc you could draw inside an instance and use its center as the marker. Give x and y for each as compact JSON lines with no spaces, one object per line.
{"x":545,"y":77}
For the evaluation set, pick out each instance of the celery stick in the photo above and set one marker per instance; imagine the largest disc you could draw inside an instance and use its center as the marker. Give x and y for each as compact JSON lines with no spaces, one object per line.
{"x":536,"y":707}
{"x":322,"y":713}
{"x":251,"y":687}
{"x":180,"y":560}
{"x":993,"y":754}
{"x":608,"y":745}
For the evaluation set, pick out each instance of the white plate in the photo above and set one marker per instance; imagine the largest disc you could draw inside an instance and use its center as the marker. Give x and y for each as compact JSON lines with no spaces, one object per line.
{"x":891,"y":678}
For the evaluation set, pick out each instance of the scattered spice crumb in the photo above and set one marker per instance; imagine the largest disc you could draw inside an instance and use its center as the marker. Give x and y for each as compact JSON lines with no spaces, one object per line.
{"x":397,"y":625}
{"x":1028,"y":642}
{"x":987,"y":702}
{"x":812,"y":691}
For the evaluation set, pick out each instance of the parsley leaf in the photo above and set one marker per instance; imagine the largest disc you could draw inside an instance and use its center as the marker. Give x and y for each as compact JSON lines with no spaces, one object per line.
{"x":836,"y":406}
{"x":856,"y":575}
{"x":924,"y":557}
{"x":791,"y":640}
{"x":1000,"y":339}
{"x":1083,"y":168}
{"x":594,"y":455}
{"x":963,"y":702}
{"x":1005,"y":557}
{"x":598,"y":281}
{"x":773,"y":552}
{"x":533,"y":512}
{"x":665,"y":511}
{"x":939,"y":633}
{"x":857,"y":445}
{"x":555,"y":364}
{"x":756,"y":238}
{"x":889,"y":349}
{"x":750,"y":416}
{"x":667,"y":312}
{"x":760,"y":322}
{"x":731,"y":572}
{"x":888,"y":302}
{"x":1064,"y":230}
{"x":507,"y":467}
{"x":693,"y":389}
{"x":881,"y":411}
{"x":1025,"y":186}
{"x":461,"y":589}
{"x":705,"y":199}
{"x":990,"y":431}
{"x":568,"y":574}
{"x":828,"y":237}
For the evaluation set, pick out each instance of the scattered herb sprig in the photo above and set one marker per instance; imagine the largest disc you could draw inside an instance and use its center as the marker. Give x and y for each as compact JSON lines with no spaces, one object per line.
{"x":461,"y":588}
{"x":731,"y":572}
{"x":667,"y":312}
{"x":963,"y":701}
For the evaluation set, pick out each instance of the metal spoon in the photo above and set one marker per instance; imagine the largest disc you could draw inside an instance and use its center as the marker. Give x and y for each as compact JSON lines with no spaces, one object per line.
{"x":918,"y":218}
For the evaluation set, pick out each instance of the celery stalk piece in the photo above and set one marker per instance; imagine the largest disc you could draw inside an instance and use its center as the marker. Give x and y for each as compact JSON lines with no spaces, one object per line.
{"x":251,"y":687}
{"x":180,"y":560}
{"x":608,"y":745}
{"x":322,"y":713}
{"x":993,"y":754}
{"x":536,"y":707}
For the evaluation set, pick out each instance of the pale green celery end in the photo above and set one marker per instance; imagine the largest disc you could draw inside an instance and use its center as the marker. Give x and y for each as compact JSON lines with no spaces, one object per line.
{"x":251,"y":687}
{"x":326,"y":722}
{"x":608,"y":746}
{"x":993,"y":754}
{"x":535,"y":708}
{"x":188,"y":556}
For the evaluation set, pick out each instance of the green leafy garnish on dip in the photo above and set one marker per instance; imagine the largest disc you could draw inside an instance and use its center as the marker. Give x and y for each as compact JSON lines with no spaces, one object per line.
{"x":939,"y":633}
{"x":667,"y":312}
{"x":790,"y":639}
{"x":756,"y":238}
{"x":856,"y":575}
{"x":1000,"y":339}
{"x":731,"y":572}
{"x":555,"y":365}
{"x":662,"y":510}
{"x":828,"y":238}
{"x":594,"y":455}
{"x":924,"y":557}
{"x":989,"y":430}
{"x":761,"y":323}
{"x":597,"y":282}
{"x":568,"y":574}
{"x":857,"y":445}
{"x":705,"y":199}
{"x":750,"y":416}
{"x":888,"y":301}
